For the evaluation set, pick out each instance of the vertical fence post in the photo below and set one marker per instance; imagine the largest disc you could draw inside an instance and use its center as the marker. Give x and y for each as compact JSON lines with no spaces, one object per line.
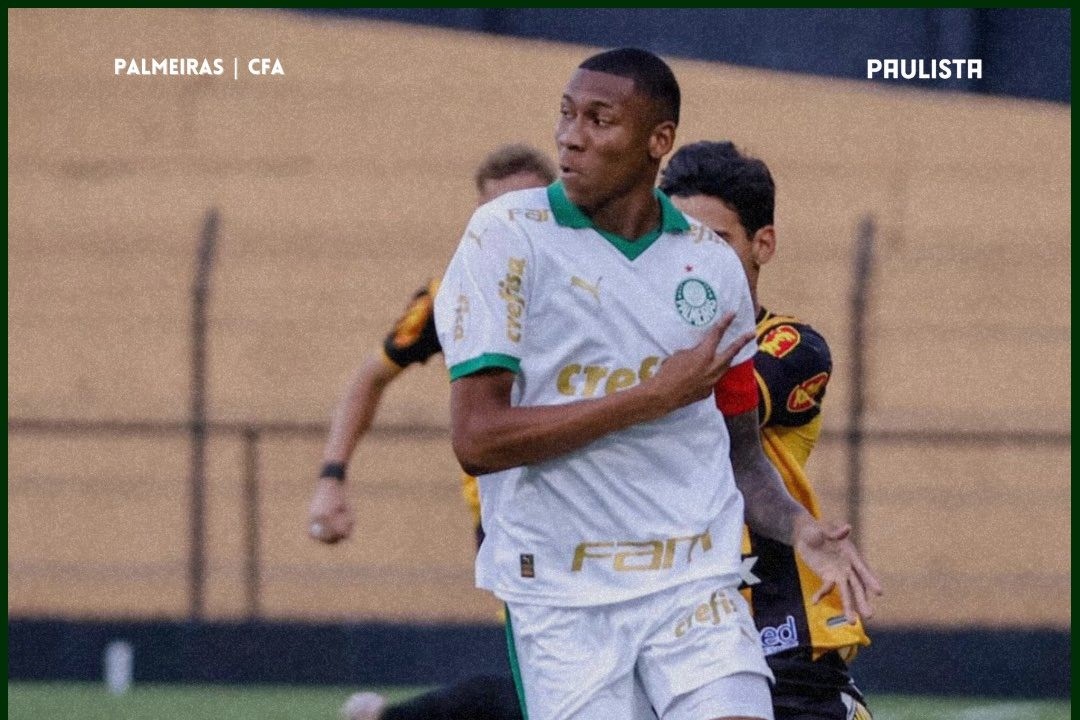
{"x":863,"y":271}
{"x":251,"y":520}
{"x":200,"y":297}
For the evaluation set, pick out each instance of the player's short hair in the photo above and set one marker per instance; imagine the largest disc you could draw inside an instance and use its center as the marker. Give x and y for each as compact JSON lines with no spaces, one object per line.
{"x":512,"y":159}
{"x":652,"y":77}
{"x":719,"y":170}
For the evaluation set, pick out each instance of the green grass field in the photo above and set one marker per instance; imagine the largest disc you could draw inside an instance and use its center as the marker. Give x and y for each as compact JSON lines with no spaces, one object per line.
{"x":75,"y":701}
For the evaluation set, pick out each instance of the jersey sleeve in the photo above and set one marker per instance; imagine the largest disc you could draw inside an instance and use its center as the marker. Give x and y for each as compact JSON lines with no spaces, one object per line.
{"x":743,"y":323}
{"x":413,"y":338}
{"x":738,"y":300}
{"x":482,"y":308}
{"x":735,"y":392}
{"x":793,"y":366}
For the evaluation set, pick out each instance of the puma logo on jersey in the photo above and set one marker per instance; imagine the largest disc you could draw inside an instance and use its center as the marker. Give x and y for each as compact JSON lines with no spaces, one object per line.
{"x":588,"y":287}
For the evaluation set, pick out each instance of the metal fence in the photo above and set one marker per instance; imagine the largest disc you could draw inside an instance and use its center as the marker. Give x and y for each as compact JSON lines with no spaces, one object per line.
{"x":253,"y":435}
{"x":853,"y":442}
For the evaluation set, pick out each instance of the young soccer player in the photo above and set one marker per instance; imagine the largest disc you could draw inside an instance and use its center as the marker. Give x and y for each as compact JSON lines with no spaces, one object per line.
{"x":612,"y":504}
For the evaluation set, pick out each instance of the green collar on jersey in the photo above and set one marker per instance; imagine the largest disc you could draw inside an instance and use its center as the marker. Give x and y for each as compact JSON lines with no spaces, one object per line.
{"x":570,"y":215}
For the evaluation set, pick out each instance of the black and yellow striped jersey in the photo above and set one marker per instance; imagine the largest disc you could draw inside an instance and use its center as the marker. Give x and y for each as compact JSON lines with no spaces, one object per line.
{"x":792,"y":367}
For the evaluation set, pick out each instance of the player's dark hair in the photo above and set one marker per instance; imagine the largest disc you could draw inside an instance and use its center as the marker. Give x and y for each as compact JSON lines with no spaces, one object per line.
{"x":513,"y":159}
{"x":719,"y":170}
{"x":652,"y":77}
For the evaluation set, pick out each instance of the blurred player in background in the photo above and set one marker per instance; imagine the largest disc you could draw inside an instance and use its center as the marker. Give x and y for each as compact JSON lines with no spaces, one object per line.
{"x":807,"y":645}
{"x":613,"y":492}
{"x":412,"y":340}
{"x":734,"y":195}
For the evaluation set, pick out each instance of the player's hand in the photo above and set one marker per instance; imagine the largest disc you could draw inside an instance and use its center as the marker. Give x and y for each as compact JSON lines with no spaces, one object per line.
{"x":691,"y":375}
{"x":827,"y":550}
{"x":330,"y":517}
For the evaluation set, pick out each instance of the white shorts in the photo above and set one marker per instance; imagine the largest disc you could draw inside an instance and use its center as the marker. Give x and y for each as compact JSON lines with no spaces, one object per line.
{"x":688,"y":652}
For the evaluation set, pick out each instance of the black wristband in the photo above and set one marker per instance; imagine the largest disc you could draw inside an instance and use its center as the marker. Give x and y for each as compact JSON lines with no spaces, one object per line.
{"x":333,"y":470}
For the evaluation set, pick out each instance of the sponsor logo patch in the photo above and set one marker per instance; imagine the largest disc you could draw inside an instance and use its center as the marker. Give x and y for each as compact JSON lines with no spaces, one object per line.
{"x":577,"y":380}
{"x":536,"y":215}
{"x":641,"y":555}
{"x":710,"y":612}
{"x":461,"y":312}
{"x":782,"y":637}
{"x":528,"y":566}
{"x":804,"y":395}
{"x":511,"y":293}
{"x":779,"y":341}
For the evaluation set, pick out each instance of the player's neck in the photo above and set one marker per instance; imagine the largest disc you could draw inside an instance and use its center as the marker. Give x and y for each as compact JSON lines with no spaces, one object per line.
{"x":629,"y":215}
{"x":751,"y":280}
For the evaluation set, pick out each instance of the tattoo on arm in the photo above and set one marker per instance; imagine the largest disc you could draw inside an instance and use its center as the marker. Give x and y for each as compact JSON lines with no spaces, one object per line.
{"x":770,"y":509}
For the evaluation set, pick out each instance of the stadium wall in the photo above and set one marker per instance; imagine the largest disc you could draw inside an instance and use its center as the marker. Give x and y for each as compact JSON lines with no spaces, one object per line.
{"x":1025,"y":52}
{"x":974,"y":662}
{"x":343,"y":186}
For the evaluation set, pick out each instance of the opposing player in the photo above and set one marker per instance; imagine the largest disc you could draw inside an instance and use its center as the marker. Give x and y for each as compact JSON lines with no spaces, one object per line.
{"x":611,"y":502}
{"x":807,"y":645}
{"x":412,"y":340}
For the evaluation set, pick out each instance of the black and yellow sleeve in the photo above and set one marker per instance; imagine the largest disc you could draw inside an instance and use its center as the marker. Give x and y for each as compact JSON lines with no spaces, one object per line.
{"x":413,"y":339}
{"x":793,"y":365}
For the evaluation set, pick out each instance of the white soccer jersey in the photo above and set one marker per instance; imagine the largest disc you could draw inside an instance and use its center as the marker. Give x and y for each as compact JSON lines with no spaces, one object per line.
{"x":576,"y":312}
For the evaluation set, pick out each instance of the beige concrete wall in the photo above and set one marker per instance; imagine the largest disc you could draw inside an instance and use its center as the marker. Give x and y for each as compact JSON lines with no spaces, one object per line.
{"x":344,"y":184}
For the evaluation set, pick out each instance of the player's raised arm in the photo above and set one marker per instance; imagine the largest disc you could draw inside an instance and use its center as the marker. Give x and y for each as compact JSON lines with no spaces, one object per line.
{"x":412,"y":340}
{"x":489,"y":434}
{"x":773,"y":513}
{"x":330,"y":513}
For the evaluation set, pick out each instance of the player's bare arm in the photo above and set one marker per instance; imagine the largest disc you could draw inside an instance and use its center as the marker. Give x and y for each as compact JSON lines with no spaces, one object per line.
{"x":772,"y":512}
{"x":330,"y":514}
{"x":490,"y":435}
{"x":356,"y":409}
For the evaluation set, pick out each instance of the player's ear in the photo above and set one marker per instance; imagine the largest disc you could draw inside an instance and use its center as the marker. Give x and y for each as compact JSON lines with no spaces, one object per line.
{"x":763,"y":244}
{"x":662,"y":140}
